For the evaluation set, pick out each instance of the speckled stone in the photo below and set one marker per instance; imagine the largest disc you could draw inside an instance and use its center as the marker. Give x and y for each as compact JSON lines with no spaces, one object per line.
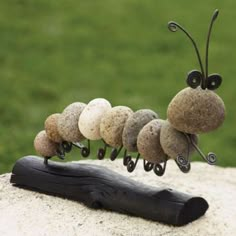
{"x":196,"y":111}
{"x":112,"y":125}
{"x":148,"y":142}
{"x":90,"y":118}
{"x":50,"y":126}
{"x":174,"y":142}
{"x":67,"y":123}
{"x":133,"y":126}
{"x":44,"y":146}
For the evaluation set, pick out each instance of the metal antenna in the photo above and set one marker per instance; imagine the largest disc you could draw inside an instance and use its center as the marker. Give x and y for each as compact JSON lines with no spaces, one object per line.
{"x":214,"y":17}
{"x":173,"y":27}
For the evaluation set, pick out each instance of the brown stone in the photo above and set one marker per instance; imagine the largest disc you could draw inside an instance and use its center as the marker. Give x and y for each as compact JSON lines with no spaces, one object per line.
{"x":67,"y":123}
{"x":50,"y":126}
{"x":44,"y":146}
{"x":174,"y":142}
{"x":196,"y":111}
{"x":133,"y":126}
{"x":149,"y":142}
{"x":112,"y":125}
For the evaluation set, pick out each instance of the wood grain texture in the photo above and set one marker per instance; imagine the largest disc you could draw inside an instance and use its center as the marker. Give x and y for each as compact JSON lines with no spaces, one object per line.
{"x":99,"y":187}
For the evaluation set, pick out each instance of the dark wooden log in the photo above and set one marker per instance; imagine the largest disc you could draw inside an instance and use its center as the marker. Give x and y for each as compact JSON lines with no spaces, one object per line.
{"x":99,"y":187}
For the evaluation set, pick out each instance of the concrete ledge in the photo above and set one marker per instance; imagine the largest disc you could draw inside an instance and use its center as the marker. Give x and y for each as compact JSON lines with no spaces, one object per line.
{"x":24,"y":212}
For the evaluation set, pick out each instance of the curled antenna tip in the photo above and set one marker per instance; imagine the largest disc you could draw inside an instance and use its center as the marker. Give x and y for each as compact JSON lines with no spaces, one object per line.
{"x":172,"y":26}
{"x":216,"y":13}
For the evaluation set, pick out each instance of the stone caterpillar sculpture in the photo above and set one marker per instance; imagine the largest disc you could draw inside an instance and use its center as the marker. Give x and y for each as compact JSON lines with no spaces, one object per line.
{"x":194,"y":110}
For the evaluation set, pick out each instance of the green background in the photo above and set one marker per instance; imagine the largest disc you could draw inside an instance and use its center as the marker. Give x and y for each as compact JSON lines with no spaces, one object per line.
{"x":53,"y":53}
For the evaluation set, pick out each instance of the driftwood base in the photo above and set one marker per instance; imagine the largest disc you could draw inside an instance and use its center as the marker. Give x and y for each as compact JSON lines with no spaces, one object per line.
{"x":98,"y":187}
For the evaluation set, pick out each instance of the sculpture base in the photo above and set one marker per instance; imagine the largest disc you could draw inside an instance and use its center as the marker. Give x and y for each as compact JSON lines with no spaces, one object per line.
{"x":98,"y":187}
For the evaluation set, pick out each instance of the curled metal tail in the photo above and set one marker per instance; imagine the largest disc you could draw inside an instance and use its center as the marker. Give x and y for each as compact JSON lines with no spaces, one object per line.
{"x":148,"y":166}
{"x":132,"y":165}
{"x":182,"y":162}
{"x":159,"y":170}
{"x":115,"y":153}
{"x":210,"y":158}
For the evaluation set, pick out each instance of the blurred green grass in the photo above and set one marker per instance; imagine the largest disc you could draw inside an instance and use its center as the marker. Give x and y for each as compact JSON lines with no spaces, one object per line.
{"x":53,"y":53}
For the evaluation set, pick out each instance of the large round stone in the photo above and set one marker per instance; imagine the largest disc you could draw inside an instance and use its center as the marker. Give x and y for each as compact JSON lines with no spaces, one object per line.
{"x":44,"y":146}
{"x":148,"y":142}
{"x":196,"y":111}
{"x":176,"y":143}
{"x":133,"y":126}
{"x":90,"y":118}
{"x":67,"y":123}
{"x":50,"y":126}
{"x":112,"y":125}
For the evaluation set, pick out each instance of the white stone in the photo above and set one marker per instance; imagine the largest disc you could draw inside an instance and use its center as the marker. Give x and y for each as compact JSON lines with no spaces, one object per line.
{"x":90,"y":118}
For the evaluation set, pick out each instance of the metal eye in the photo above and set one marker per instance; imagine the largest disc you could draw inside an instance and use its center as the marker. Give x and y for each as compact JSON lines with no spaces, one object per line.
{"x":214,"y":81}
{"x":194,"y":78}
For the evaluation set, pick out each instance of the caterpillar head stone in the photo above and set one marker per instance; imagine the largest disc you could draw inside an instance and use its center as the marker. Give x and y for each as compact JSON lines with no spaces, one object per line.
{"x":197,"y":109}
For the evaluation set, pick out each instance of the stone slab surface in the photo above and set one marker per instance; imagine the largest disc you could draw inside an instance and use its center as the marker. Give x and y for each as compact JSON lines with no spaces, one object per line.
{"x":23,"y":212}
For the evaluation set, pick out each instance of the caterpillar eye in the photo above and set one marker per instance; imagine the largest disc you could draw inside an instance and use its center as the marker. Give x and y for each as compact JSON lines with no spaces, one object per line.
{"x":214,"y":81}
{"x":194,"y":78}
